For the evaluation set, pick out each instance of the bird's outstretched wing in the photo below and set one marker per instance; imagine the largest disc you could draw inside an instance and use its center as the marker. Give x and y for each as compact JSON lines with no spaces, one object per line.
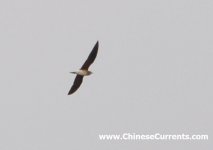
{"x":76,"y":84}
{"x":91,"y":57}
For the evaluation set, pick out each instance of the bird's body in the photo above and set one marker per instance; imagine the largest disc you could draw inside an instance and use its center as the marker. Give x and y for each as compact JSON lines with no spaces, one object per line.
{"x":84,"y":70}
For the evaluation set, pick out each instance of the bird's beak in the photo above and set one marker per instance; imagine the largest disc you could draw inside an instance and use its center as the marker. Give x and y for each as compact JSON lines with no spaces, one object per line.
{"x":73,"y":72}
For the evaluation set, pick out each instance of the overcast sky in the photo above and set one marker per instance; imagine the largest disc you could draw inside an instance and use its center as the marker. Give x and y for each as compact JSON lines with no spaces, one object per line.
{"x":153,"y":73}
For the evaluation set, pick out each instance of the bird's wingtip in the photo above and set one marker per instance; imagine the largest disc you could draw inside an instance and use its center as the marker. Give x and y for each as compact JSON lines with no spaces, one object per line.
{"x":70,"y":93}
{"x":97,"y":44}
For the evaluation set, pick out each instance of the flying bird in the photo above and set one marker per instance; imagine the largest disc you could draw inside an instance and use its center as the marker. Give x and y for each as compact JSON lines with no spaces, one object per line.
{"x":84,"y":69}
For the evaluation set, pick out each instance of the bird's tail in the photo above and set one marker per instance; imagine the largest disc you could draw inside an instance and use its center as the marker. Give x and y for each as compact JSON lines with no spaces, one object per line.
{"x":73,"y":72}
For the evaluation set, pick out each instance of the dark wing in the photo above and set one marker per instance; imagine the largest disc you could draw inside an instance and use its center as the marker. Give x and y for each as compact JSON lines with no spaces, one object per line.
{"x":91,"y":57}
{"x":76,"y":84}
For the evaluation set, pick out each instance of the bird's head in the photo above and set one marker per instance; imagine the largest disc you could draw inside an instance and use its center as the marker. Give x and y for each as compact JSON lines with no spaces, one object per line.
{"x":90,"y":72}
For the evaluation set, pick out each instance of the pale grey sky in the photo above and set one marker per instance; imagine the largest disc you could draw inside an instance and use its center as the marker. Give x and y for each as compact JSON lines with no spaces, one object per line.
{"x":153,"y":73}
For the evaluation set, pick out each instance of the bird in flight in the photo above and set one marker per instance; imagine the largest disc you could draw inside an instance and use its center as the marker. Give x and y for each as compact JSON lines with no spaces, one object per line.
{"x":84,"y":69}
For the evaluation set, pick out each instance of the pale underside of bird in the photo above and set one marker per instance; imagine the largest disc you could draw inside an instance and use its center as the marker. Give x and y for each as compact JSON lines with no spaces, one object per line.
{"x":84,"y":69}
